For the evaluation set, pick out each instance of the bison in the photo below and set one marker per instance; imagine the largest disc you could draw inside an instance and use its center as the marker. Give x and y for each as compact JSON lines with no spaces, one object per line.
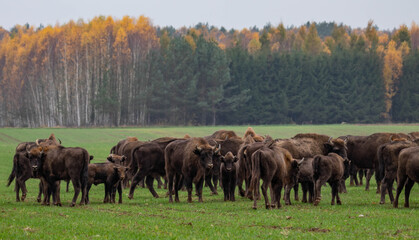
{"x":407,"y":173}
{"x":362,"y":152}
{"x":24,"y":167}
{"x":148,"y":159}
{"x":275,"y":166}
{"x":187,"y":160}
{"x":307,"y":145}
{"x":57,"y":163}
{"x":388,"y":159}
{"x":111,"y":175}
{"x":305,"y":178}
{"x":332,"y":169}
{"x":228,"y":173}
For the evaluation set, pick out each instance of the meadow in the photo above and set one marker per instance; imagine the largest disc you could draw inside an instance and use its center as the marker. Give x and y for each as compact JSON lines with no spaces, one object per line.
{"x":360,"y":216}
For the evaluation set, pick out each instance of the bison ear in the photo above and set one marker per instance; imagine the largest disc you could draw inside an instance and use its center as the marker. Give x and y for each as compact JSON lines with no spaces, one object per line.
{"x":27,"y":154}
{"x":235,"y":159}
{"x":123,"y":158}
{"x":223,"y":159}
{"x":91,"y":157}
{"x":110,"y":159}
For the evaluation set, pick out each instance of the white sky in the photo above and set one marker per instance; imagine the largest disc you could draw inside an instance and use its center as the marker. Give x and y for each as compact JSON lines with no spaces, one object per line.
{"x":238,"y":14}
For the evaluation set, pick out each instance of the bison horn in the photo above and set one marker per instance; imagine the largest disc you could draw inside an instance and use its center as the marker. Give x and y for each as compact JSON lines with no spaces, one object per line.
{"x":37,"y":141}
{"x":199,"y":149}
{"x":330,"y":140}
{"x":217,"y":149}
{"x":391,"y":138}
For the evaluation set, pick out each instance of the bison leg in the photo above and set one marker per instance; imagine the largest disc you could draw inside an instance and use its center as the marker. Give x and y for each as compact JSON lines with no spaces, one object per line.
{"x":304,"y":186}
{"x":232,"y":189}
{"x":119,"y":187}
{"x":208,"y":181}
{"x":77,"y":187}
{"x":296,"y":192}
{"x":179,"y":183}
{"x":89,"y":185}
{"x":106,"y":199}
{"x":138,"y":178}
{"x":170,"y":190}
{"x":199,"y":186}
{"x":401,"y":181}
{"x":390,"y":190}
{"x":149,"y":181}
{"x":38,"y":199}
{"x":408,"y":187}
{"x":265,"y":186}
{"x":188,"y":183}
{"x":318,"y":190}
{"x":368,"y":177}
{"x":159,"y":182}
{"x":310,"y":186}
{"x":384,"y":187}
{"x":17,"y":190}
{"x":255,"y":195}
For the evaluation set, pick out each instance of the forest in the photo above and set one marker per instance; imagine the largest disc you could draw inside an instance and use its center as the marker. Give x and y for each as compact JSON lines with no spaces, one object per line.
{"x":128,"y":72}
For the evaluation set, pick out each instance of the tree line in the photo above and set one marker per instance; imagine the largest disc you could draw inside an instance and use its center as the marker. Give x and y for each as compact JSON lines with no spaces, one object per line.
{"x":108,"y":72}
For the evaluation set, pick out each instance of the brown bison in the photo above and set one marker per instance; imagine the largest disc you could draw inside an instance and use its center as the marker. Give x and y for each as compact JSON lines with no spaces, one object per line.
{"x":407,"y":173}
{"x":275,"y":166}
{"x":24,"y":167}
{"x":111,"y":175}
{"x":332,"y":169}
{"x":307,"y":145}
{"x":222,"y":134}
{"x":57,"y":163}
{"x":187,"y":160}
{"x":362,"y":152}
{"x":148,"y":160}
{"x":388,"y":159}
{"x":250,"y":132}
{"x":228,"y":173}
{"x":305,"y":178}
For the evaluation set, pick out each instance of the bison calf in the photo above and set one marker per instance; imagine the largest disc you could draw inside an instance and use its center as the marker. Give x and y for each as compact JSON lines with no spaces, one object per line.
{"x":228,"y":170}
{"x":108,"y":173}
{"x":331,"y":168}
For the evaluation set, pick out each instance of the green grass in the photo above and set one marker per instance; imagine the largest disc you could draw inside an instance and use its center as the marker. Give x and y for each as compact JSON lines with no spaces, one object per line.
{"x":145,"y":217}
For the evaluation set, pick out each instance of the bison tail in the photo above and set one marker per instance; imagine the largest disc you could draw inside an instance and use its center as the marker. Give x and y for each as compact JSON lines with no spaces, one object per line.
{"x":14,"y":170}
{"x":254,"y":183}
{"x":316,"y":164}
{"x":381,"y":163}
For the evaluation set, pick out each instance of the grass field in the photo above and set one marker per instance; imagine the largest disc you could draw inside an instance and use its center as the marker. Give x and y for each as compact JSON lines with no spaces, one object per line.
{"x":145,"y":217}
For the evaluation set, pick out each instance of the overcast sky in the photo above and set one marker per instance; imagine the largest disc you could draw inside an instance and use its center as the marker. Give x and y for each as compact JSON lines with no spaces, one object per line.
{"x":238,"y":14}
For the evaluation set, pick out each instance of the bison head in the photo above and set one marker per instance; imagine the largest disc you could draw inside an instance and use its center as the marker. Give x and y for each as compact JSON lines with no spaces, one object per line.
{"x":120,"y":172}
{"x":35,"y":156}
{"x":205,"y":154}
{"x":116,"y":158}
{"x":229,"y":159}
{"x":337,"y":146}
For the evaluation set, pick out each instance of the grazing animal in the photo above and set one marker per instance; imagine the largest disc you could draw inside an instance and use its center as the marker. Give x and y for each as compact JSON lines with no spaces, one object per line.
{"x":250,"y":132}
{"x":187,"y":160}
{"x":362,"y":152}
{"x":307,"y":145}
{"x":57,"y":163}
{"x":332,"y":169}
{"x":148,"y":162}
{"x":305,"y":178}
{"x":275,"y":166}
{"x":24,"y":167}
{"x":388,"y":159}
{"x":110,"y":174}
{"x":228,"y":173}
{"x":407,"y":173}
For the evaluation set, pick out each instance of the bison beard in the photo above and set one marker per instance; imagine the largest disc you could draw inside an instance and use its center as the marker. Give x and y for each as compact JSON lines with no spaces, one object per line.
{"x":188,"y":160}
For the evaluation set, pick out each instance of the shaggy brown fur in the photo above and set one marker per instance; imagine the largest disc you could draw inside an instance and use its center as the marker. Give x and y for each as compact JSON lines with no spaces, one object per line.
{"x":407,"y":173}
{"x":388,"y":159}
{"x":331,"y":168}
{"x":252,"y":133}
{"x":188,"y":159}
{"x":228,"y":169}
